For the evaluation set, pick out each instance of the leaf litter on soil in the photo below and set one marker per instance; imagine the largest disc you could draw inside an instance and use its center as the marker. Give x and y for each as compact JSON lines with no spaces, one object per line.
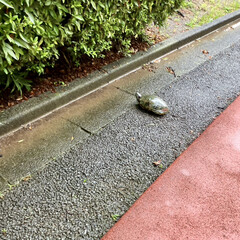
{"x":63,"y":73}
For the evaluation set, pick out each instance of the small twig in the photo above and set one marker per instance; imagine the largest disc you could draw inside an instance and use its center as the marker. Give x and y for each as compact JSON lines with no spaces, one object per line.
{"x":66,"y":59}
{"x":179,"y":13}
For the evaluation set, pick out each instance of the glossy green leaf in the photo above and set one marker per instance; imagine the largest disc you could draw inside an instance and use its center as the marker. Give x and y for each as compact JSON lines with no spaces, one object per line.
{"x":23,"y":38}
{"x":94,"y":5}
{"x":21,"y":43}
{"x":6,"y":3}
{"x":30,"y":16}
{"x":32,"y":32}
{"x":79,"y":17}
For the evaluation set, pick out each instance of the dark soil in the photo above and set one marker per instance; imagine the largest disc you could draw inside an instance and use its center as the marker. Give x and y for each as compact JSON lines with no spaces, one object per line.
{"x":63,"y":73}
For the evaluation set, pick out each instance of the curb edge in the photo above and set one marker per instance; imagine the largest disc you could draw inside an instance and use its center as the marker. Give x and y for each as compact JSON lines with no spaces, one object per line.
{"x":13,"y":118}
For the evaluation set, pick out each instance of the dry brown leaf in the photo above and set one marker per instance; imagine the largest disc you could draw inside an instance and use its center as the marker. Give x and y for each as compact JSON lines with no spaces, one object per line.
{"x":27,"y":178}
{"x":170,"y":70}
{"x":157,"y":163}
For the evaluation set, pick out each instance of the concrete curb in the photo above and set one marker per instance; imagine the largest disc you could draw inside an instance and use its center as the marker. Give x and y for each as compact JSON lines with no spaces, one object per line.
{"x":23,"y":113}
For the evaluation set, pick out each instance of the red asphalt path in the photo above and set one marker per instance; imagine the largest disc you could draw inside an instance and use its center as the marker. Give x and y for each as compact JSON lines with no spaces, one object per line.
{"x":197,"y":197}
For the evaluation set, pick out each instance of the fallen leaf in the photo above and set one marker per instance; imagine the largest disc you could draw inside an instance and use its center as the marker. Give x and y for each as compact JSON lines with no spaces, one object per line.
{"x":4,"y":232}
{"x":148,"y":67}
{"x":170,"y":70}
{"x":157,"y":163}
{"x":27,"y":178}
{"x":205,"y":52}
{"x":20,"y":140}
{"x":115,"y":217}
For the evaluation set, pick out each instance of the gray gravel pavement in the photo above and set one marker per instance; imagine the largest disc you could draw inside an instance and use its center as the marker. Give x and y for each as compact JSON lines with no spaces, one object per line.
{"x":77,"y":194}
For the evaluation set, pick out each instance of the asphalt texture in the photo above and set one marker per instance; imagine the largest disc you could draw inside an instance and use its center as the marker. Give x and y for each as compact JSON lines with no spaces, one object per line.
{"x":202,"y":200}
{"x":79,"y":195}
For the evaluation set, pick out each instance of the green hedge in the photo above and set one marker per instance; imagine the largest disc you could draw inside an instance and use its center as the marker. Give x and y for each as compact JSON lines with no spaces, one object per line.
{"x":32,"y":32}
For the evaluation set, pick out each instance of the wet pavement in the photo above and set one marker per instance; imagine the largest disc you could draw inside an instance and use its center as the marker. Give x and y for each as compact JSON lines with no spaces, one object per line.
{"x":110,"y":144}
{"x":198,"y":196}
